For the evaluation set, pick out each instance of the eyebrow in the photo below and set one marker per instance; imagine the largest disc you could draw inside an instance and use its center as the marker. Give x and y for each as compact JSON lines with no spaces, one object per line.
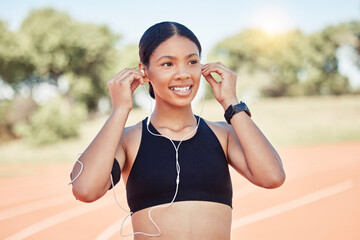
{"x":172,"y":57}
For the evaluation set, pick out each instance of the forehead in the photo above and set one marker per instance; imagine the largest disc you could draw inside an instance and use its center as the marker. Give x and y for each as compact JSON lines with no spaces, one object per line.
{"x":175,"y":46}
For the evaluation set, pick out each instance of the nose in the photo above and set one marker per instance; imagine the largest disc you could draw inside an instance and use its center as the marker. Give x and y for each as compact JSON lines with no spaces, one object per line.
{"x":182,"y":72}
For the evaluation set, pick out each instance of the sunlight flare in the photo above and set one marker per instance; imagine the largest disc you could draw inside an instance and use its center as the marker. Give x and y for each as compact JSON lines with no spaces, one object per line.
{"x":272,"y":20}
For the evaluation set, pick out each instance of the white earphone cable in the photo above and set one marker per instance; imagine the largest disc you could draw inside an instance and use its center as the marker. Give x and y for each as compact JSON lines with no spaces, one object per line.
{"x":177,"y":170}
{"x":81,"y":168}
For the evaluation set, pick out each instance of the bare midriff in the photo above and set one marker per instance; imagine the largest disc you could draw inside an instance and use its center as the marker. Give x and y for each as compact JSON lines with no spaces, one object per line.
{"x":186,"y":220}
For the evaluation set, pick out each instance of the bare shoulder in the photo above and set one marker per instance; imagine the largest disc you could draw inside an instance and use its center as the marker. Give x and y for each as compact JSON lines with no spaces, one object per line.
{"x":131,"y":134}
{"x":221,"y":129}
{"x":129,"y":145}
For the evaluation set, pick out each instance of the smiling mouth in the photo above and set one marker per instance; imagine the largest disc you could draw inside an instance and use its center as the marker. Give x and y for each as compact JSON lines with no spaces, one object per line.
{"x":181,"y":89}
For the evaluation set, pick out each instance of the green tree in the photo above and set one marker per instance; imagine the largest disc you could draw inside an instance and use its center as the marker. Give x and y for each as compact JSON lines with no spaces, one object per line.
{"x":293,"y":63}
{"x":15,"y":60}
{"x":50,"y":46}
{"x":62,"y":46}
{"x":52,"y":122}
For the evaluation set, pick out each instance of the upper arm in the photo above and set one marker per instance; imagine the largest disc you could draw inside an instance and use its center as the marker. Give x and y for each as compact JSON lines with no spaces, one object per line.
{"x":253,"y":156}
{"x":120,"y":154}
{"x":127,"y":148}
{"x":118,"y":165}
{"x":235,"y":153}
{"x":119,"y":161}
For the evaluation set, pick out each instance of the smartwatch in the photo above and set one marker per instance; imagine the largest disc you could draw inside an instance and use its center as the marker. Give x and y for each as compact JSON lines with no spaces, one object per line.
{"x":232,"y":110}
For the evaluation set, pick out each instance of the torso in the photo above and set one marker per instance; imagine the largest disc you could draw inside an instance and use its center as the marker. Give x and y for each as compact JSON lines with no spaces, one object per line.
{"x":190,"y":220}
{"x":184,"y":219}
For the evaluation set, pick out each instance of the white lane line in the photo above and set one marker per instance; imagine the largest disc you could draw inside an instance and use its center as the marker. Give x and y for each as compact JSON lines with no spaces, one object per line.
{"x":34,"y":206}
{"x":16,"y":185}
{"x":112,"y":229}
{"x":29,"y":196}
{"x":58,"y":218}
{"x":115,"y":227}
{"x":307,"y":199}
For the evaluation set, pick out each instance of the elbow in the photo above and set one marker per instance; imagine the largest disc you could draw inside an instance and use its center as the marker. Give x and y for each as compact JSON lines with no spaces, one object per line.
{"x":275,"y":181}
{"x":84,"y":194}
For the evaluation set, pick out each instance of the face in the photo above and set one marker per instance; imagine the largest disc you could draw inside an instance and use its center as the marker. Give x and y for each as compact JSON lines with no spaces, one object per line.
{"x":174,"y":71}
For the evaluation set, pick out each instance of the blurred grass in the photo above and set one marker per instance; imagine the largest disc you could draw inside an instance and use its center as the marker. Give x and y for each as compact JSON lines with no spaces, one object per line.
{"x":290,"y":121}
{"x":285,"y":122}
{"x":315,"y":120}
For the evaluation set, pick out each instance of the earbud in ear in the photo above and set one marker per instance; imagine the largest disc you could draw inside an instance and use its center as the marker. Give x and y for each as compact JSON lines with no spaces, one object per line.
{"x":146,"y":78}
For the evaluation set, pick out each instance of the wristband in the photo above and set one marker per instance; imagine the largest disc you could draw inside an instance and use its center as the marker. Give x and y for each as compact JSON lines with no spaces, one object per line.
{"x":232,"y":110}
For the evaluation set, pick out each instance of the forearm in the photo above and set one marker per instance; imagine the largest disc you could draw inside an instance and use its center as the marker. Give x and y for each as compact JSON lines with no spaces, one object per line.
{"x":249,"y":152}
{"x":98,"y":158}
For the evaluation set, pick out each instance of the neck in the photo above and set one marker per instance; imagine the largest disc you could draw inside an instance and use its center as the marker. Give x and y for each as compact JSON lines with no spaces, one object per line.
{"x":174,"y":118}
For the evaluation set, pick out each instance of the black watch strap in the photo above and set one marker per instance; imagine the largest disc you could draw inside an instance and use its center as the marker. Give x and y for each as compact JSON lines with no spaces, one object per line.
{"x":232,"y":110}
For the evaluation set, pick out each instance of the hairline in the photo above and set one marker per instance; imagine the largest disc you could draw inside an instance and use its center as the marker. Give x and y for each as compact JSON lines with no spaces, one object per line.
{"x":176,"y":34}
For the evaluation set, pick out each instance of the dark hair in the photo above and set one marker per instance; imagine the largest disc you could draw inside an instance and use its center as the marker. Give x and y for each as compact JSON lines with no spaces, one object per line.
{"x":159,"y":33}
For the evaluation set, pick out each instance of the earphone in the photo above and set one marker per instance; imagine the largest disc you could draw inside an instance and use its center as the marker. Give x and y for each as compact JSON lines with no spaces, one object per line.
{"x":177,"y":170}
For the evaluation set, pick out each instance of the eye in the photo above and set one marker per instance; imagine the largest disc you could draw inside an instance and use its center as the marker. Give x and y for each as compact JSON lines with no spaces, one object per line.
{"x":167,"y":64}
{"x":192,"y":62}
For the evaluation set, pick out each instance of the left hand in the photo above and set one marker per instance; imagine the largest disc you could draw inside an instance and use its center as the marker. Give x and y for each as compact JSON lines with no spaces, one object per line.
{"x":225,"y":90}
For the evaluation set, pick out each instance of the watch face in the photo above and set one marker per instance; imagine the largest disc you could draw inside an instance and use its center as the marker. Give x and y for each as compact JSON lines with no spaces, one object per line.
{"x":229,"y":111}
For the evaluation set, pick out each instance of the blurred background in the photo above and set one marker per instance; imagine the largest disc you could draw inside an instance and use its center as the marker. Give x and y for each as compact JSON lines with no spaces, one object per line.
{"x":298,"y":65}
{"x":56,"y":56}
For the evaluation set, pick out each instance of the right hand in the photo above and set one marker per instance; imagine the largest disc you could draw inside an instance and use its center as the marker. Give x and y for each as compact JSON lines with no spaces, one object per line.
{"x":122,"y":87}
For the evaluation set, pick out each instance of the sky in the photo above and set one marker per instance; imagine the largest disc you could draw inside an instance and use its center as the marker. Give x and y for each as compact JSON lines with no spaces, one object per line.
{"x":210,"y":20}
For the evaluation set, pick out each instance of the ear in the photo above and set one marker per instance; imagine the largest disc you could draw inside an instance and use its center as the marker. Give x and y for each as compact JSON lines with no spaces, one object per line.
{"x":143,"y":69}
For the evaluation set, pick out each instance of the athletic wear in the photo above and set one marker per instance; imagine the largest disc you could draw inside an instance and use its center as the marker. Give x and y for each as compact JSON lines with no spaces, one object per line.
{"x":204,"y":172}
{"x":115,"y":173}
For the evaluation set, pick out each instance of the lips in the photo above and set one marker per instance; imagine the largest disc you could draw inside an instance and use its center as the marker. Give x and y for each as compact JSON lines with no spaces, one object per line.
{"x":181,"y":90}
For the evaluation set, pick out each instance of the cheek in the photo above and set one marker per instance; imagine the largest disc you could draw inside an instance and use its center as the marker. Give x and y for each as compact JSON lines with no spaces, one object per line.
{"x":158,"y":79}
{"x":196,"y":74}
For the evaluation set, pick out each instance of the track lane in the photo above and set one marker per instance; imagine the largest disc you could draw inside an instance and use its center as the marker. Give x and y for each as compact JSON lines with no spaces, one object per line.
{"x":279,"y":213}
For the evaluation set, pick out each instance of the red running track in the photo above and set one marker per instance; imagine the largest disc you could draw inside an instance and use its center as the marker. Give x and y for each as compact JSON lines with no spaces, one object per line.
{"x":319,"y":200}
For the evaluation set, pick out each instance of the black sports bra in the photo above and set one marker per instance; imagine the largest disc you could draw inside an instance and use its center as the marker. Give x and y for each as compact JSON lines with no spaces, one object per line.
{"x":204,"y":174}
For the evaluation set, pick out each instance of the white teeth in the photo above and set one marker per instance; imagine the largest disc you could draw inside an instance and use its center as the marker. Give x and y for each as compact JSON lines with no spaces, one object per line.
{"x":181,"y":89}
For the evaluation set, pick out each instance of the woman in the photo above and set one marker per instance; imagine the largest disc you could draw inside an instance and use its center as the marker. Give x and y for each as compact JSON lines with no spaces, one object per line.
{"x":150,"y":162}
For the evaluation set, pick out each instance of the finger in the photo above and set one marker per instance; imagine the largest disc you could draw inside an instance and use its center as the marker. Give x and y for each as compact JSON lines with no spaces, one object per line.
{"x":137,"y":78}
{"x":119,"y":76}
{"x":134,"y":85}
{"x":142,"y":73}
{"x":217,"y":65}
{"x":122,"y":73}
{"x":133,"y":76}
{"x":211,"y":80}
{"x":128,"y":74}
{"x":221,"y":70}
